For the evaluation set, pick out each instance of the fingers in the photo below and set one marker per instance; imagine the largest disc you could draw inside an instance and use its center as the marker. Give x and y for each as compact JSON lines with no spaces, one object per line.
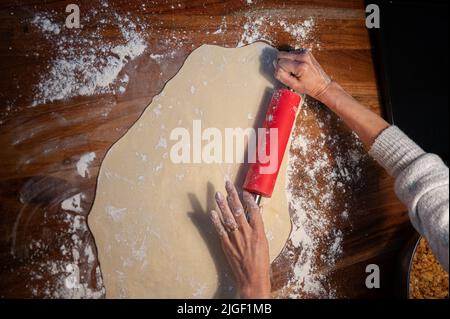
{"x":253,"y":212}
{"x":235,"y":205}
{"x":220,"y":229}
{"x":286,"y":77}
{"x":218,"y":224}
{"x":294,"y":67}
{"x":228,"y":218}
{"x":233,"y":224}
{"x":289,"y":66}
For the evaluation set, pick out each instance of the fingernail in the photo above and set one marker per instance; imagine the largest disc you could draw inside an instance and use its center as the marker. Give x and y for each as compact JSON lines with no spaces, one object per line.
{"x":219,"y":196}
{"x":229,"y":186}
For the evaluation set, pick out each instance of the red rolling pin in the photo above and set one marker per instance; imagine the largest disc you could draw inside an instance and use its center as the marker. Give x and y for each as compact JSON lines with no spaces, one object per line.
{"x":281,"y":116}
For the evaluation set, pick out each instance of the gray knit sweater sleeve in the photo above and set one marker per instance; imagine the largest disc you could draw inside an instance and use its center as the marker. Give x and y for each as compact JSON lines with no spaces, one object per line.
{"x":421,"y":183}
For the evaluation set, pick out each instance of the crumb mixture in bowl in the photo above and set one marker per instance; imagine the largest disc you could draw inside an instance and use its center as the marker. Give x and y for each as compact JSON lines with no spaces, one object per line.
{"x":428,"y":280}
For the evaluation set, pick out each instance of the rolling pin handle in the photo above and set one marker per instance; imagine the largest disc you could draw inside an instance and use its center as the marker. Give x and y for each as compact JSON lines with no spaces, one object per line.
{"x":258,"y":199}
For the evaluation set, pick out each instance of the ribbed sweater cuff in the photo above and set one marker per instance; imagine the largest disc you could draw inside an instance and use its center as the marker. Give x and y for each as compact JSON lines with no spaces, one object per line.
{"x":394,"y":150}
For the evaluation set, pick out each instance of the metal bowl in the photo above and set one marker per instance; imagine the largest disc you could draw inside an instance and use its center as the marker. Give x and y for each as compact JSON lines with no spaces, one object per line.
{"x":406,"y":260}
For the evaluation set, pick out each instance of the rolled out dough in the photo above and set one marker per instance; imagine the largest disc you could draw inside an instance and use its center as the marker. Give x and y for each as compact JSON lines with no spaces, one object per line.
{"x":150,"y":216}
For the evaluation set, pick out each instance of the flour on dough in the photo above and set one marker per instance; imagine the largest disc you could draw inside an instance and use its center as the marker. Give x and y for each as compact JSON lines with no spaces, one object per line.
{"x":150,"y":216}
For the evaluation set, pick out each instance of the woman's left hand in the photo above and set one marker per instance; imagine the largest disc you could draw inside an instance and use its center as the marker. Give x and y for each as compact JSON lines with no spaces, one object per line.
{"x":244,"y":242}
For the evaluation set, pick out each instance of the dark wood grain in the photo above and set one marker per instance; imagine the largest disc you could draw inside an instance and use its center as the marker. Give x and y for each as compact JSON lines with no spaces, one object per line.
{"x":41,"y":145}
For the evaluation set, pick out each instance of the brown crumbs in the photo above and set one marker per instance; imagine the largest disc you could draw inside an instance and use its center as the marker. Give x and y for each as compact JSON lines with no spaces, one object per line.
{"x":428,"y":279}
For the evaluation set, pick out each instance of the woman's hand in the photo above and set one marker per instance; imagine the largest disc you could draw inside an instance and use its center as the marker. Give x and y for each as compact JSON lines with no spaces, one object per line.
{"x":244,"y":243}
{"x":301,"y":72}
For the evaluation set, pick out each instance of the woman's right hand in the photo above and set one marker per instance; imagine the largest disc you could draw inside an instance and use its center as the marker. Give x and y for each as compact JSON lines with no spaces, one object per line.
{"x":301,"y":72}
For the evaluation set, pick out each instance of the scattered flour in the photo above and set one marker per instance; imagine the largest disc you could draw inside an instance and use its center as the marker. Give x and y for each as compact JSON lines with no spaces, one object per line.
{"x":301,"y":32}
{"x":261,"y":28}
{"x":254,"y":30}
{"x":162,"y":143}
{"x":157,"y":57}
{"x":161,"y":57}
{"x":327,"y":171}
{"x":74,"y":275}
{"x":83,"y":164}
{"x":44,"y":24}
{"x":86,"y":64}
{"x":89,"y":253}
{"x":116,"y":213}
{"x":73,"y":203}
{"x":222,"y":28}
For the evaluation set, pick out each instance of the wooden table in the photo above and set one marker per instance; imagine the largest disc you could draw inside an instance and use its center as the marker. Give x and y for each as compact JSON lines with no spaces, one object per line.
{"x":41,"y":145}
